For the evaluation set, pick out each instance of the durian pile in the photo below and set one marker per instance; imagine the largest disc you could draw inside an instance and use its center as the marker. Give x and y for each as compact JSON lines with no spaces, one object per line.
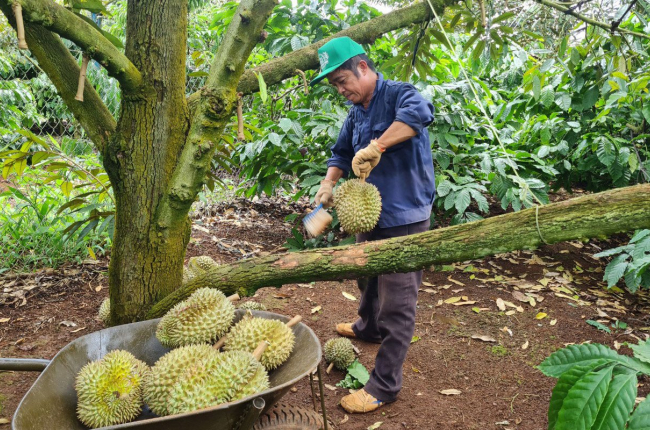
{"x":358,"y":206}
{"x":195,"y":374}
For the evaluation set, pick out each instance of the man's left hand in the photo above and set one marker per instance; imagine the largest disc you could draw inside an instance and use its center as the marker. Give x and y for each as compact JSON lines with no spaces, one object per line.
{"x":366,"y":159}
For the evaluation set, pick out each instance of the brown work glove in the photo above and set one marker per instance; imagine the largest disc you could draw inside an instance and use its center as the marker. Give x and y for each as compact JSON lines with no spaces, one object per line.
{"x":325,"y":193}
{"x":366,"y":159}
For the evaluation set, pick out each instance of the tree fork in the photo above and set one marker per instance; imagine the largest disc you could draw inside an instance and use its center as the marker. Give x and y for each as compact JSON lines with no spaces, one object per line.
{"x":595,"y":215}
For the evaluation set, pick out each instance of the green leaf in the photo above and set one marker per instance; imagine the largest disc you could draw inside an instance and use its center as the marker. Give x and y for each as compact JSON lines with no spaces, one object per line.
{"x":463,"y":199}
{"x":66,"y":187}
{"x":502,"y":17}
{"x":114,"y":40}
{"x":615,"y":270}
{"x":567,"y":380}
{"x":564,"y":359}
{"x":94,"y":6}
{"x":583,"y":401}
{"x":547,"y":96}
{"x":537,"y":87}
{"x":598,"y":325}
{"x":640,"y":419}
{"x":641,"y":350}
{"x":563,"y":100}
{"x":359,"y":372}
{"x":646,"y":112}
{"x":618,"y":404}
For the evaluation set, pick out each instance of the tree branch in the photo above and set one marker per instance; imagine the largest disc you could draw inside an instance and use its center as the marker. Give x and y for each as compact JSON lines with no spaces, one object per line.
{"x":62,"y":69}
{"x":594,"y":215}
{"x":217,"y":101}
{"x":65,"y":23}
{"x":588,"y":20}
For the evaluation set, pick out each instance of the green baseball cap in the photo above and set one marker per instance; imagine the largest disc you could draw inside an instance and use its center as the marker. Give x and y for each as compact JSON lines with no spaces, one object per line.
{"x":334,"y":53}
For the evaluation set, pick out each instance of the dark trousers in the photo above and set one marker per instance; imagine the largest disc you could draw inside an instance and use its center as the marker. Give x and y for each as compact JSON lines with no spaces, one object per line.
{"x":387,"y":316}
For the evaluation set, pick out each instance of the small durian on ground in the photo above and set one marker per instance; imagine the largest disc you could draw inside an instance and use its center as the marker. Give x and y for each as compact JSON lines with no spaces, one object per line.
{"x":104,"y":313}
{"x":201,"y":264}
{"x":202,"y":318}
{"x":358,"y":206}
{"x":251,"y":305}
{"x":109,"y":391}
{"x":198,"y":376}
{"x":339,"y":352}
{"x":250,"y":331}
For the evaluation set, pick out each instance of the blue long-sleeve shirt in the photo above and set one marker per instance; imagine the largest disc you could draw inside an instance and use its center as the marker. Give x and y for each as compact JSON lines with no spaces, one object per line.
{"x":404,"y":175}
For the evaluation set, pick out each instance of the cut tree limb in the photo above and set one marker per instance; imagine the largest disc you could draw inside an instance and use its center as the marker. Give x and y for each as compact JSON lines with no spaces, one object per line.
{"x":595,"y":215}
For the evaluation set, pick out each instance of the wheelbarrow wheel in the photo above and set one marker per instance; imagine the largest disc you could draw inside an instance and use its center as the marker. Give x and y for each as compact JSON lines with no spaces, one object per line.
{"x":285,"y":417}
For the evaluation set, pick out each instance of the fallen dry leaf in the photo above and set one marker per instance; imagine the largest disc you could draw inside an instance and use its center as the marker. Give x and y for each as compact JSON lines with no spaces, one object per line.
{"x":452,"y":300}
{"x":79,"y":329}
{"x":330,"y":387}
{"x":345,"y":419}
{"x":525,"y":345}
{"x":468,"y":302}
{"x":450,"y":279}
{"x":376,"y":425}
{"x":501,"y":305}
{"x":540,"y":316}
{"x":511,"y":313}
{"x":349,"y":296}
{"x":316,"y":309}
{"x":450,"y":392}
{"x":4,"y":320}
{"x":484,"y":338}
{"x":427,"y":284}
{"x":430,"y":291}
{"x":4,"y":421}
{"x":553,"y":322}
{"x":98,"y":288}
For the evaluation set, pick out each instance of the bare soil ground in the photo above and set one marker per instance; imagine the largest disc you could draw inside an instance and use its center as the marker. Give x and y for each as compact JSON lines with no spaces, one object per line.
{"x":463,"y":341}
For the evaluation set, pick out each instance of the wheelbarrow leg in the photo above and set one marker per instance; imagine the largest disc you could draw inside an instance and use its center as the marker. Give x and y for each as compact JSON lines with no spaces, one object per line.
{"x":322,"y":397}
{"x":249,"y":420}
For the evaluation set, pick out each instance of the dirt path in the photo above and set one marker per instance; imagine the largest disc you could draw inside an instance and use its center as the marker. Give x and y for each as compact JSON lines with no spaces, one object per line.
{"x":498,"y":383}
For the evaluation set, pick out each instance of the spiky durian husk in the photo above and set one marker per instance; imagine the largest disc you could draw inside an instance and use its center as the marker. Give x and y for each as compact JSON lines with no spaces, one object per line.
{"x":253,"y":306}
{"x":223,"y":377}
{"x":339,"y":351}
{"x":168,"y":370}
{"x":109,"y":390}
{"x":358,"y":206}
{"x":104,"y":313}
{"x":201,"y":264}
{"x":188,"y":274}
{"x":249,"y":332}
{"x":202,"y":318}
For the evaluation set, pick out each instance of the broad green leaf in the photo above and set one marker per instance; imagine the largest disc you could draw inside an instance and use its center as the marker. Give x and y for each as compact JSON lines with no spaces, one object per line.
{"x":66,"y":187}
{"x":640,"y":419}
{"x":503,"y":17}
{"x":564,"y":383}
{"x":547,"y":96}
{"x":642,"y":350}
{"x":463,"y":200}
{"x":537,"y":87}
{"x":262,"y":84}
{"x":564,"y":359}
{"x":599,"y":326}
{"x":646,"y":112}
{"x":94,"y":6}
{"x":111,"y":38}
{"x":618,"y":404}
{"x":615,"y":270}
{"x":583,"y":400}
{"x":563,"y":100}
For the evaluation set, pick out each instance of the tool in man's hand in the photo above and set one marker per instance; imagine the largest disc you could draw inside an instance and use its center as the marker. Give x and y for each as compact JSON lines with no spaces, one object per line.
{"x":317,"y":221}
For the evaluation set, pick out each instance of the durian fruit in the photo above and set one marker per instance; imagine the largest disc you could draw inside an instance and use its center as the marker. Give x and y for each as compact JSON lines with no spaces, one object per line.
{"x":188,"y":274}
{"x":197,"y":376}
{"x":201,"y":264}
{"x":104,"y":313}
{"x":202,"y":318}
{"x":253,"y":306}
{"x":358,"y":205}
{"x":339,"y":352}
{"x":169,"y":369}
{"x":223,"y":377}
{"x":250,"y":331}
{"x":109,"y":390}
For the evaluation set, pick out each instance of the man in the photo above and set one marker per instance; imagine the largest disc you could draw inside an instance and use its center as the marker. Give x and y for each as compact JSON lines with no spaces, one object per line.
{"x":385,"y":141}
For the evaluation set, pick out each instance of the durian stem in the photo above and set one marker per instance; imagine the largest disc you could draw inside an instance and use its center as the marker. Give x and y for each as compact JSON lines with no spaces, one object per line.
{"x":221,"y":342}
{"x":234,"y":297}
{"x":295,"y":320}
{"x":260,"y":349}
{"x":240,"y":117}
{"x":82,"y":78}
{"x":20,"y":26}
{"x":329,"y":368}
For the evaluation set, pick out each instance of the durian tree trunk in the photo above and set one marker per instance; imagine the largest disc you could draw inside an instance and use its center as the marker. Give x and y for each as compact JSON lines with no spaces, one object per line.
{"x":595,"y":215}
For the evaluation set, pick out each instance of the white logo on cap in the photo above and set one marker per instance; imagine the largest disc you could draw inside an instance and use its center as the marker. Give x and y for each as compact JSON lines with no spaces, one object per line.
{"x":323,"y":57}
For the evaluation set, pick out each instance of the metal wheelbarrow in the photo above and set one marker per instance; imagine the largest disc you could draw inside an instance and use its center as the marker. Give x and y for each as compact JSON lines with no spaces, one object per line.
{"x":51,"y":402}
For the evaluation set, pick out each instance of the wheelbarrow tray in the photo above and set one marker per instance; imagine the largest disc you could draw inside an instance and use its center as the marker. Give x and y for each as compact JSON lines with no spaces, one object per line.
{"x":52,"y":401}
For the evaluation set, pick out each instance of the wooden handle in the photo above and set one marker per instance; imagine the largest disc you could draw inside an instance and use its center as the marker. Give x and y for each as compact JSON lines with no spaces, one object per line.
{"x":240,"y":117}
{"x":82,"y":79}
{"x":295,"y":320}
{"x":20,"y":26}
{"x":234,"y":297}
{"x":260,"y":349}
{"x":221,"y":342}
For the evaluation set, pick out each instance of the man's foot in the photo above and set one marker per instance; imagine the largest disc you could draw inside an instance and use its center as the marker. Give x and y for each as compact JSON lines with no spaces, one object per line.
{"x":345,"y":329}
{"x":360,"y":402}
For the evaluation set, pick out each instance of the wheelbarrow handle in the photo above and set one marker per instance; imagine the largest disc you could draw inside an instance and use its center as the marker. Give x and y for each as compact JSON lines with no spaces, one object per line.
{"x":24,"y":364}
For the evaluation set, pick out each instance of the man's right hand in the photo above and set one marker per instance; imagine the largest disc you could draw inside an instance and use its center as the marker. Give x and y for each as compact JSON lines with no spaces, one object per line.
{"x":325,"y":193}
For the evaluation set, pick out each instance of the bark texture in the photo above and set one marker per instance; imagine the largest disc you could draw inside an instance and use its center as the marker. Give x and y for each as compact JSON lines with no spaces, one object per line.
{"x":595,"y":215}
